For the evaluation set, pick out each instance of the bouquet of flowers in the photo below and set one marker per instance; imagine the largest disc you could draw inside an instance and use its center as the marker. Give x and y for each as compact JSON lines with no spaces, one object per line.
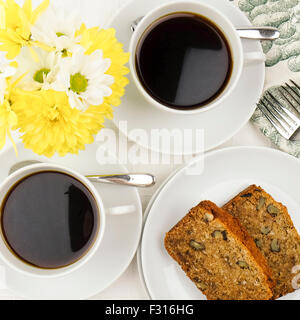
{"x":59,"y":80}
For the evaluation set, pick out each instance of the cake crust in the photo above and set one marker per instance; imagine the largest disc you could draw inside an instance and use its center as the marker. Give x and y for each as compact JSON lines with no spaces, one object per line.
{"x":271,"y":227}
{"x":219,"y":256}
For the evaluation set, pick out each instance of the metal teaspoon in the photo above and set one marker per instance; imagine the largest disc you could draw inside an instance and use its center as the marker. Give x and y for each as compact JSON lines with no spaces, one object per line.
{"x":132,"y":180}
{"x":254,"y":33}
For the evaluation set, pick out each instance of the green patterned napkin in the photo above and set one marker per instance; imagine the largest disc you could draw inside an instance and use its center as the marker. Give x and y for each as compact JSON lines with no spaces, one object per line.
{"x":283,"y":55}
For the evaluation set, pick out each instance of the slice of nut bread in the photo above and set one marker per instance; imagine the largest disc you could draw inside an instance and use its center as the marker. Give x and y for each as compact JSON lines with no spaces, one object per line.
{"x":219,"y":256}
{"x":270,"y":226}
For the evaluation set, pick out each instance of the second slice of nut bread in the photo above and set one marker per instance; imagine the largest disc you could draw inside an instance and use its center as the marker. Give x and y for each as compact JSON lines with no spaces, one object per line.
{"x":219,"y":256}
{"x":269,"y":224}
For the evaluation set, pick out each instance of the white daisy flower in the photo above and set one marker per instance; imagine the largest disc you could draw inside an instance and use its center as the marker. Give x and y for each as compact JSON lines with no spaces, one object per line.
{"x":57,"y":28}
{"x":6,"y":71}
{"x":40,"y":74}
{"x":84,"y":79}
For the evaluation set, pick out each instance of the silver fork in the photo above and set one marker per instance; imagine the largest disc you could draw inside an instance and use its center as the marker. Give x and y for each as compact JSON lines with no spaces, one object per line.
{"x":285,"y":120}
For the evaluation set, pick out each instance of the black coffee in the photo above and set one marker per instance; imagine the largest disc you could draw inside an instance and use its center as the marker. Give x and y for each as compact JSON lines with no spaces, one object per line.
{"x":184,"y":61}
{"x":49,"y":220}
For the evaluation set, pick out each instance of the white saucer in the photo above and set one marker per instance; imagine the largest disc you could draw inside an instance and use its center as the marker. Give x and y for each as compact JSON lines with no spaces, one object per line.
{"x":219,"y":124}
{"x":240,"y":167}
{"x":120,"y":242}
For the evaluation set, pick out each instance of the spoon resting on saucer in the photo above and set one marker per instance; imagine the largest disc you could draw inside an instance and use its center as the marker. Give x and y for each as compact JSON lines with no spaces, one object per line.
{"x":253,"y":33}
{"x":139,"y":180}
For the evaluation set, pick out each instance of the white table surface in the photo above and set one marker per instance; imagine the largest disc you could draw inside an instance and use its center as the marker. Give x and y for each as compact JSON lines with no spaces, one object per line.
{"x":129,"y":286}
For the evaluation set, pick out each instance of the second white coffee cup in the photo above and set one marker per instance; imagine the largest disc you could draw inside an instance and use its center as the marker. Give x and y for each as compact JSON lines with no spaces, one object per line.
{"x":224,"y":24}
{"x":12,"y":261}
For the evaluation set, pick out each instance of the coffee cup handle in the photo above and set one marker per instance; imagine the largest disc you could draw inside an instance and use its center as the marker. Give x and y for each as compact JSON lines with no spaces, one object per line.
{"x":121,"y":210}
{"x":252,"y":57}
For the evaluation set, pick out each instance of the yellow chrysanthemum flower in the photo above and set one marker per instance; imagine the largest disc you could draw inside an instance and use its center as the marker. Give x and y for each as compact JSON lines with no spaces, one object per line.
{"x":105,"y":39}
{"x":8,"y":118}
{"x":50,"y":125}
{"x":15,"y":25}
{"x":45,"y":118}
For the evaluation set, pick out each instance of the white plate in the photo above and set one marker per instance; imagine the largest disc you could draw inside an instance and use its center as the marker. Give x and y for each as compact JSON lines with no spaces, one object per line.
{"x":120,"y":241}
{"x":226,"y":173}
{"x":146,"y":213}
{"x":219,"y":124}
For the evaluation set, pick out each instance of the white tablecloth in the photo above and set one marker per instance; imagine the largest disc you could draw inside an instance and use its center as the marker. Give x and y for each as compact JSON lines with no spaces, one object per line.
{"x":129,"y":286}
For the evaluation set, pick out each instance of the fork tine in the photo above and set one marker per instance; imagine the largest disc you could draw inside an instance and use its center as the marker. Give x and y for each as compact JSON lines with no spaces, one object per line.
{"x":287,"y":100}
{"x":286,"y":112}
{"x":279,"y":118}
{"x":268,"y":115}
{"x":291,"y":88}
{"x":284,"y":122}
{"x":280,"y":112}
{"x":295,"y":84}
{"x":287,"y":91}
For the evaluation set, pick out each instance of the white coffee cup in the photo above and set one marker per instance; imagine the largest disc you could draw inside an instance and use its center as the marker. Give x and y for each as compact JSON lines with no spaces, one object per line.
{"x":10,"y":260}
{"x":219,"y":19}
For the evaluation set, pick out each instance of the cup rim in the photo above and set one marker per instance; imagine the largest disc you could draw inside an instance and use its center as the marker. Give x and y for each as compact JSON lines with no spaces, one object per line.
{"x":36,"y":272}
{"x":232,"y":82}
